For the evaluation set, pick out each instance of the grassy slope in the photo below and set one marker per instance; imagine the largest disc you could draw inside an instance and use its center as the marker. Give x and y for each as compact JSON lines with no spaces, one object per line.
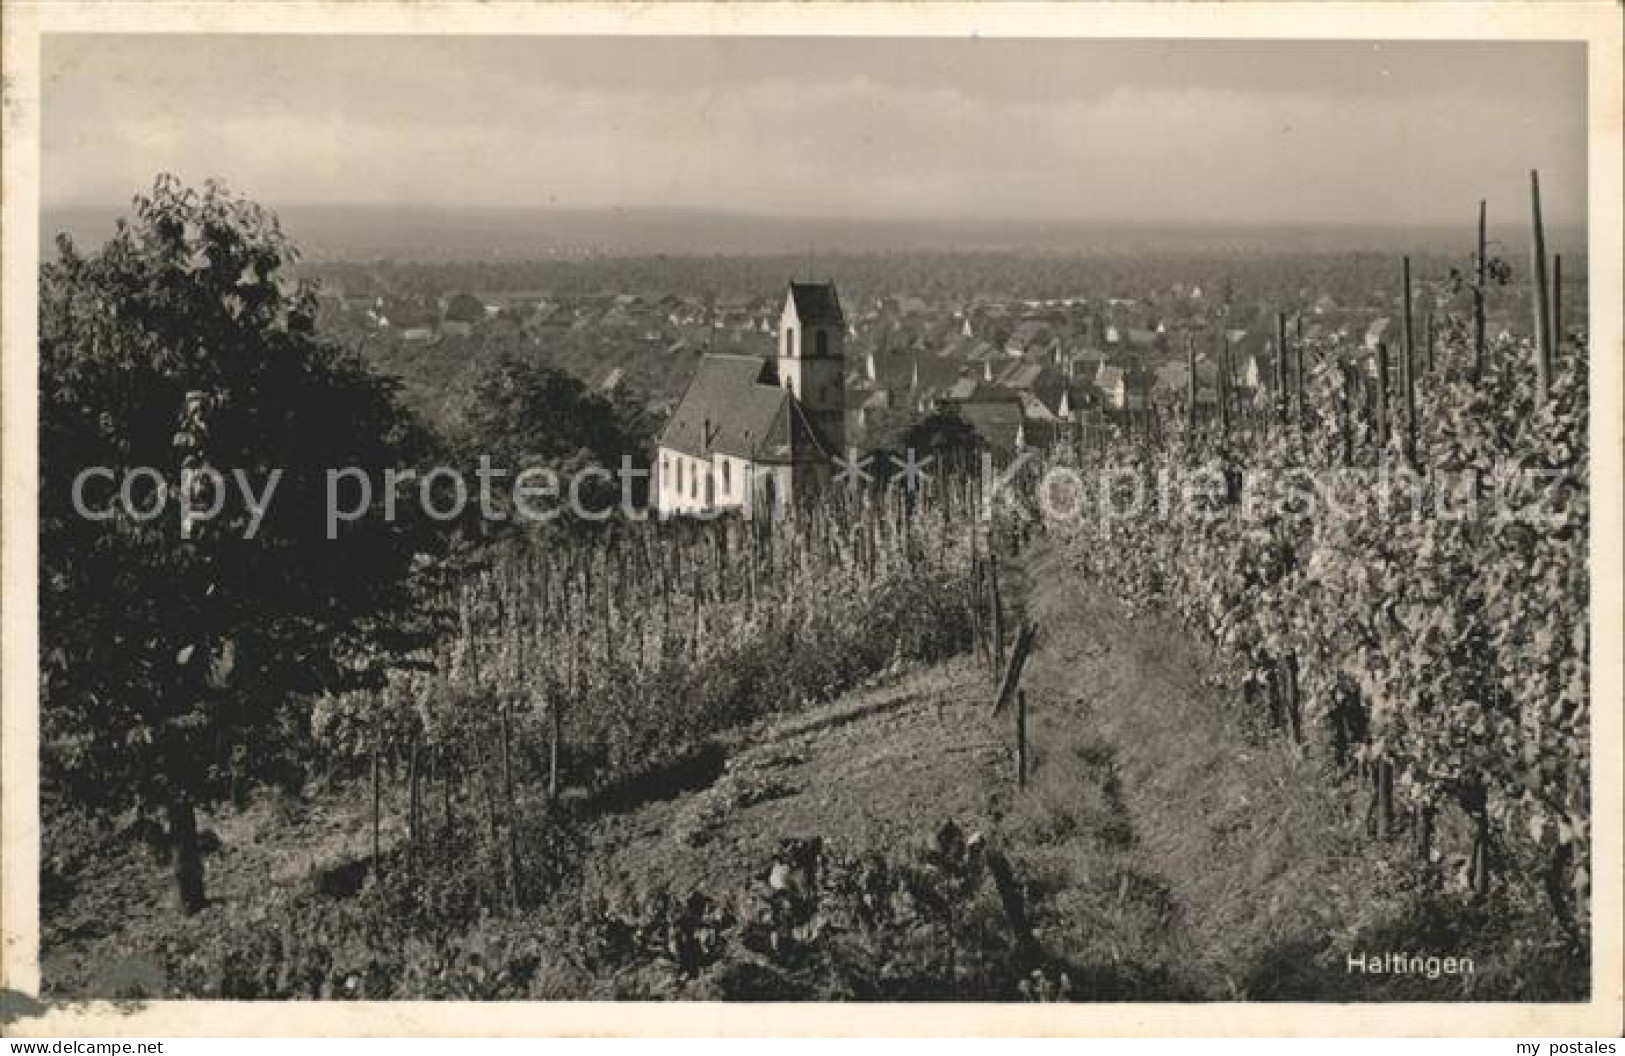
{"x":878,"y":768}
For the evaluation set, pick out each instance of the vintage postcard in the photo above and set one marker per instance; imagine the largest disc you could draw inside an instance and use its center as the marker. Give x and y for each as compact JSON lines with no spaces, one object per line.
{"x":812,"y":519}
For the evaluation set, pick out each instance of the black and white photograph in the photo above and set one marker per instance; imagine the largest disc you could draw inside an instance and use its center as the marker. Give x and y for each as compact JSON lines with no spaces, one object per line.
{"x":864,"y":517}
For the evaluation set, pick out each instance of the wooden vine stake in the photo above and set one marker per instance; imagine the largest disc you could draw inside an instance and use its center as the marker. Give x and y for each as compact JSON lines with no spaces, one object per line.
{"x":1280,"y":366}
{"x":1018,"y":660}
{"x":1428,"y":341}
{"x":1382,"y":395}
{"x":1297,"y":374}
{"x":1190,"y":386}
{"x":375,"y":802}
{"x":446,"y":793}
{"x":1541,"y":302}
{"x":1385,"y":799}
{"x":1408,"y":367}
{"x":1480,"y":276}
{"x":1345,"y":413}
{"x":507,"y":795}
{"x":1290,"y":698}
{"x":414,"y":798}
{"x":998,"y":610}
{"x":1021,"y":738}
{"x":975,"y":591}
{"x":1557,"y":302}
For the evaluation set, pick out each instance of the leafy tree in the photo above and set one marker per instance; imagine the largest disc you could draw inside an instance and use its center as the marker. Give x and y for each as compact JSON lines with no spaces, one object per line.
{"x":526,"y":415}
{"x":176,"y":653}
{"x":945,"y":435}
{"x":465,"y":308}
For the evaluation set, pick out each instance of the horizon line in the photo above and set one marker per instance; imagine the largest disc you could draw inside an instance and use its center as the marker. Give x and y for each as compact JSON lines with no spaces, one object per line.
{"x":814,"y":218}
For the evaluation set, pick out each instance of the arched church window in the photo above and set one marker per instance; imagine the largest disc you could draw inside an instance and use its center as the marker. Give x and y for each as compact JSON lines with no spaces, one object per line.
{"x":789,"y":340}
{"x":822,"y":342}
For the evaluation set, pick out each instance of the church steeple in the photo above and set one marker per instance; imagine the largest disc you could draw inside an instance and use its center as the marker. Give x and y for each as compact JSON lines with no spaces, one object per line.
{"x":812,"y":349}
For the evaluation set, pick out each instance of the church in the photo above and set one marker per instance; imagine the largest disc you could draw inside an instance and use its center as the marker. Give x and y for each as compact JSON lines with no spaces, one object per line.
{"x":755,"y":432}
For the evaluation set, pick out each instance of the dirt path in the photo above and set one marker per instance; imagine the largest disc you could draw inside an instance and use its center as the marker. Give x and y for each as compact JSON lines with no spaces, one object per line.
{"x":1183,"y":854}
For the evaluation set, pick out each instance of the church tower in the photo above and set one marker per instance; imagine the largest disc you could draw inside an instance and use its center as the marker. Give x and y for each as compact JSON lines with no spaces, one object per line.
{"x":812,"y":363}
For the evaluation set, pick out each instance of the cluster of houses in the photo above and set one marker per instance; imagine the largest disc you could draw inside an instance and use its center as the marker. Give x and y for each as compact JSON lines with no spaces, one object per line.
{"x":766,"y":430}
{"x":759,"y":396}
{"x":671,"y":322}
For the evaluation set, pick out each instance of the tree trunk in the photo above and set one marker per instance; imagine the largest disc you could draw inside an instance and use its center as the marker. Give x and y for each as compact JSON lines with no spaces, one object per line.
{"x":187,"y":858}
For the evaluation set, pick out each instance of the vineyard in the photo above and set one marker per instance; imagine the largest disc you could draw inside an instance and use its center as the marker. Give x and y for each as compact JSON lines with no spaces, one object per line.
{"x":1424,"y":630}
{"x":1381,"y":553}
{"x":601,"y":664}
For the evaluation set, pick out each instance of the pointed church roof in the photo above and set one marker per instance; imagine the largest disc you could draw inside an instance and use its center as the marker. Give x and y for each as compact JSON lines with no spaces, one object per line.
{"x":735,"y":406}
{"x":817,"y":304}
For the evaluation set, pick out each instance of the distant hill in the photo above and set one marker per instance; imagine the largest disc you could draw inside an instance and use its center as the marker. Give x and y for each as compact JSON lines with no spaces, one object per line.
{"x":440,"y":234}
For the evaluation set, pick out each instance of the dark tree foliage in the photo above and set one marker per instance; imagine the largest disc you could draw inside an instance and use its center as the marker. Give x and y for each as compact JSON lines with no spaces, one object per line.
{"x":465,"y":308}
{"x":526,"y":415}
{"x":942,"y":440}
{"x":176,"y":662}
{"x":941,"y":432}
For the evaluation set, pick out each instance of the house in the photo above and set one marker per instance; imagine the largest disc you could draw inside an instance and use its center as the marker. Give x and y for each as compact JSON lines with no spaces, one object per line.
{"x":754,"y":432}
{"x":1141,"y":338}
{"x":1020,"y":375}
{"x":1030,"y":335}
{"x":992,"y":410}
{"x":1033,"y":409}
{"x":1082,"y":366}
{"x":1043,"y":386}
{"x":402,"y":313}
{"x":1125,"y":388}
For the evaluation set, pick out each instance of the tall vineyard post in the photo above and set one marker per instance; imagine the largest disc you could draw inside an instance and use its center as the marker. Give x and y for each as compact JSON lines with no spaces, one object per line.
{"x":1408,"y":363}
{"x":1557,"y":303}
{"x":1538,"y":291}
{"x":1480,"y":278}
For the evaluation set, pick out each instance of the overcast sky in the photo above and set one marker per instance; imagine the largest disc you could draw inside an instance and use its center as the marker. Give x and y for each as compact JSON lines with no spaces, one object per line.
{"x":997,"y":129}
